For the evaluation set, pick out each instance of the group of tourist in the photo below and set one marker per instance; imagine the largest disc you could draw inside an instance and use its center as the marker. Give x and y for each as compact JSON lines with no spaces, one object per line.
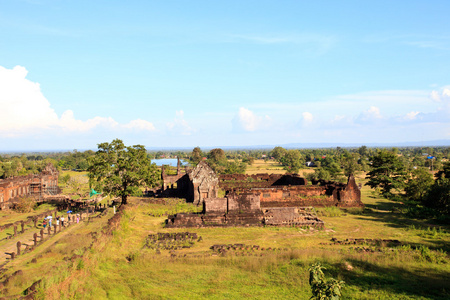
{"x":48,"y":220}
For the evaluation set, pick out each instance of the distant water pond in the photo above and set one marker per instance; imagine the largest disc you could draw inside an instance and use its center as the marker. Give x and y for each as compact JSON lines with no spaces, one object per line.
{"x":169,"y":161}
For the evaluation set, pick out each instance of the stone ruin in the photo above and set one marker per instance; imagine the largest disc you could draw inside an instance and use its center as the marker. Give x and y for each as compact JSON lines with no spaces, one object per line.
{"x":261,"y":199}
{"x":38,"y":186}
{"x":195,"y":185}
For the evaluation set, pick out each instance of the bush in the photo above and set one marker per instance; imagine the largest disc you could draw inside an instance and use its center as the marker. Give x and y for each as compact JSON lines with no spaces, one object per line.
{"x":323,"y":288}
{"x":25,"y":204}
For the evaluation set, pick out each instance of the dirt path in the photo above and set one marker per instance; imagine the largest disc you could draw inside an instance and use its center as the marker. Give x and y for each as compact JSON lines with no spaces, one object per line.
{"x":9,"y":246}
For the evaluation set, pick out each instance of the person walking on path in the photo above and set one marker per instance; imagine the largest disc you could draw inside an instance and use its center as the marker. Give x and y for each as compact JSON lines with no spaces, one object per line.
{"x":62,"y":221}
{"x":78,"y":218}
{"x":44,"y":223}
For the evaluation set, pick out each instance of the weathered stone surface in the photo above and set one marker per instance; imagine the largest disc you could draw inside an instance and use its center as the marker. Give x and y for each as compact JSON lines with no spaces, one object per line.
{"x":13,"y":188}
{"x":291,"y":216}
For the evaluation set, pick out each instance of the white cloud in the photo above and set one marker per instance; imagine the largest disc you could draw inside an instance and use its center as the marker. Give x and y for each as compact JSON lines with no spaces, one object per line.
{"x":411,"y":115}
{"x":441,"y":96}
{"x":307,"y":118}
{"x":140,"y":125}
{"x":246,"y":120}
{"x":25,"y":110}
{"x":371,"y":115}
{"x":180,"y":125}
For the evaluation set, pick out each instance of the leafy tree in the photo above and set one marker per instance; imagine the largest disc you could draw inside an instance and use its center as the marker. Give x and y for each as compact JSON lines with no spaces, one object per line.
{"x":363,"y":151}
{"x":445,"y":172}
{"x":217,"y":156}
{"x":119,"y":170}
{"x":197,"y":155}
{"x":235,"y":167}
{"x":319,"y":174}
{"x":418,"y":185}
{"x":278,"y":153}
{"x":350,"y":164}
{"x":388,"y":173}
{"x":332,"y":167}
{"x":438,"y":196}
{"x":292,"y":160}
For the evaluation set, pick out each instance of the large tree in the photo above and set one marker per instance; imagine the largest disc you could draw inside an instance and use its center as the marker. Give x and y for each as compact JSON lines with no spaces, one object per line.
{"x":119,"y":170}
{"x":388,"y":172}
{"x":197,"y":155}
{"x":292,"y":160}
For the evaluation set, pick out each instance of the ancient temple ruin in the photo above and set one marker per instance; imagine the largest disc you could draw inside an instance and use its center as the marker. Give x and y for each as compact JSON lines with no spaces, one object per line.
{"x":195,"y":185}
{"x":36,"y":185}
{"x":261,"y":199}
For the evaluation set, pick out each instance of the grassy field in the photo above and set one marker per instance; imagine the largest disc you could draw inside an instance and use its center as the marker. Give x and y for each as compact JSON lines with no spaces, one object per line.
{"x":271,"y":167}
{"x":120,"y":266}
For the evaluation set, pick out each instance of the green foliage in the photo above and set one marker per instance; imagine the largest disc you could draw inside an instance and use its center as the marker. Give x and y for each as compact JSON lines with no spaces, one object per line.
{"x":445,"y":172}
{"x":418,"y":184}
{"x":438,"y":196}
{"x":64,"y":179}
{"x":388,"y":173}
{"x":350,"y":164}
{"x":118,"y":170}
{"x":196,"y":155}
{"x":323,"y":289}
{"x":220,"y":164}
{"x":292,"y":160}
{"x":278,"y":153}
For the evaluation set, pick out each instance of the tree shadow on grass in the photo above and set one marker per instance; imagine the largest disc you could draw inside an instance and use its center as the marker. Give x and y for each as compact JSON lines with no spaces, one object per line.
{"x":390,"y":213}
{"x":423,"y":282}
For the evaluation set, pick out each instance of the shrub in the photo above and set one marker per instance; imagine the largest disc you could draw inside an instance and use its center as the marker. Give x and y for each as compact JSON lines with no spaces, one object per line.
{"x":323,"y":288}
{"x":25,"y":204}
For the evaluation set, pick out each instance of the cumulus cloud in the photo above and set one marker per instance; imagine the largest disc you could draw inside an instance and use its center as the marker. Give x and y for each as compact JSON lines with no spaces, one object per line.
{"x":140,"y":125}
{"x":369,"y":116}
{"x":26,"y":110}
{"x":246,"y":120}
{"x":23,"y":105}
{"x":441,"y":96}
{"x":180,"y":125}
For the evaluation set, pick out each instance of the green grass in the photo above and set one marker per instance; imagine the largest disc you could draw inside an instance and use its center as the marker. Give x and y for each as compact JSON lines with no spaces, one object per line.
{"x":120,"y":267}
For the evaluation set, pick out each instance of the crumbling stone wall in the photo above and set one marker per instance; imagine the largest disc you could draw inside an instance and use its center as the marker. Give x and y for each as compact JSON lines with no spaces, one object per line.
{"x":11,"y":189}
{"x":291,"y":216}
{"x":324,"y":193}
{"x":232,"y":182}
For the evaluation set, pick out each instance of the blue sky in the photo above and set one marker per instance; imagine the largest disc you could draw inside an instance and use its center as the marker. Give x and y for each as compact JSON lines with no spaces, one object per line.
{"x":232,"y":73}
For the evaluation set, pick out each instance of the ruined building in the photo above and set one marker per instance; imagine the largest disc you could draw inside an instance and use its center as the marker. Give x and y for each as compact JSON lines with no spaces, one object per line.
{"x":194,"y":185}
{"x":44,"y":183}
{"x":255,"y":199}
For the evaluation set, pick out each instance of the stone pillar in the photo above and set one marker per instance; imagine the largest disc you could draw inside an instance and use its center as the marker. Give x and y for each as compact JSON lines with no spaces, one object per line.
{"x":13,"y":255}
{"x":60,"y":225}
{"x":55,"y":228}
{"x":55,"y":213}
{"x":15,"y":229}
{"x":49,"y":230}
{"x":35,"y":239}
{"x":42,"y":234}
{"x":22,"y":224}
{"x":19,"y":244}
